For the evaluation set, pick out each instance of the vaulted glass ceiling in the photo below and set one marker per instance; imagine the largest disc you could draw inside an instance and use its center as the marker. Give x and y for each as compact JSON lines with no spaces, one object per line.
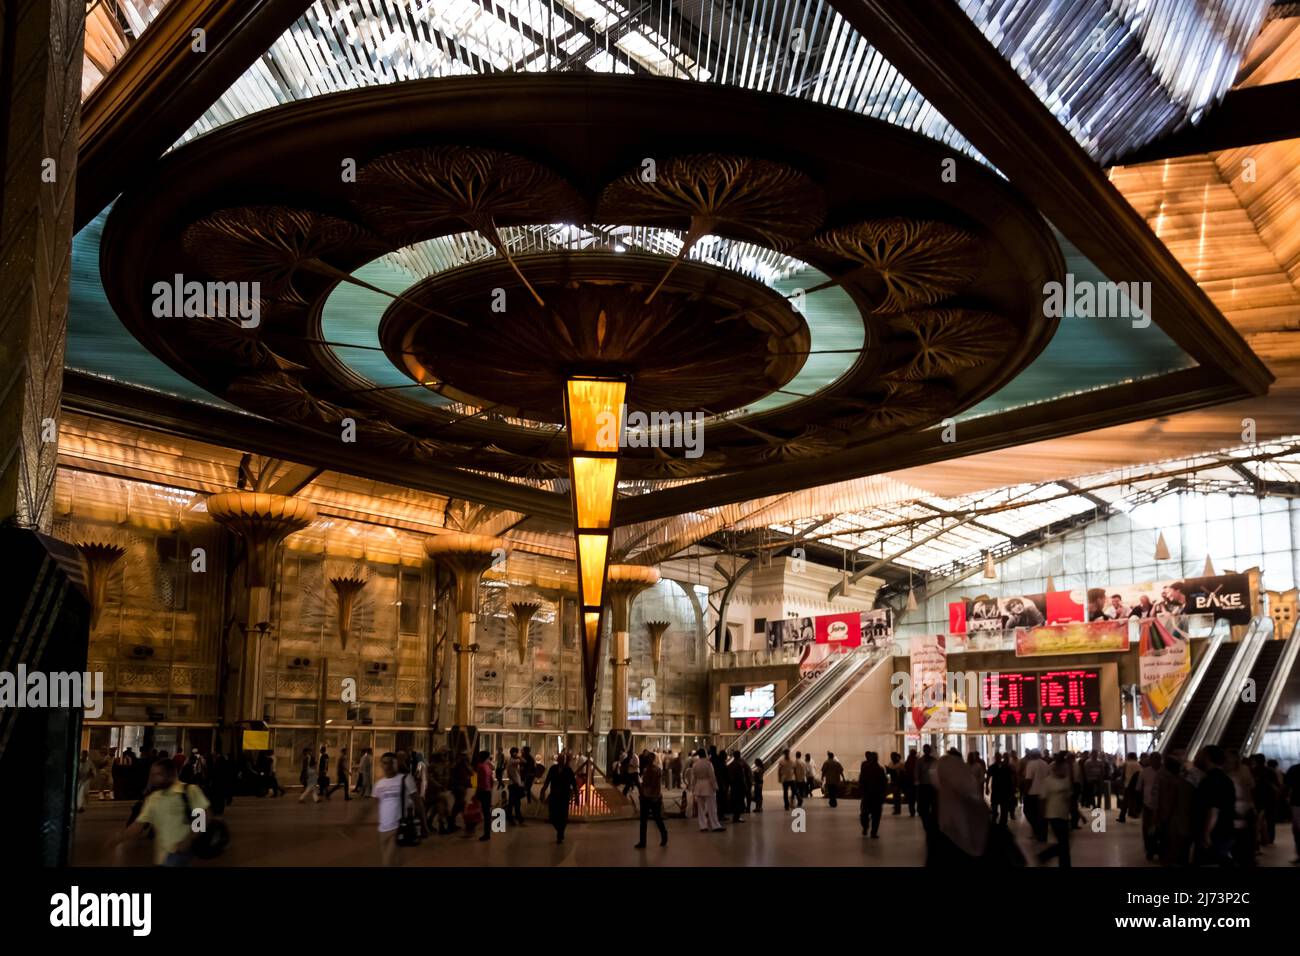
{"x":932,"y":534}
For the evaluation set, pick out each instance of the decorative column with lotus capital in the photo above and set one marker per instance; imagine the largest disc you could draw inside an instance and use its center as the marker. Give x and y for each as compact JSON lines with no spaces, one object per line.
{"x":625,"y":582}
{"x":467,"y":556}
{"x":263,"y":521}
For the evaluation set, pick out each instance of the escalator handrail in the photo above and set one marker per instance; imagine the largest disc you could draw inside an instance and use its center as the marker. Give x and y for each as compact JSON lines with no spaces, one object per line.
{"x":825,"y":703}
{"x":795,"y":702}
{"x":1273,"y":693}
{"x":826,"y":687}
{"x":1169,"y":725}
{"x":788,"y":702}
{"x":1220,"y":709}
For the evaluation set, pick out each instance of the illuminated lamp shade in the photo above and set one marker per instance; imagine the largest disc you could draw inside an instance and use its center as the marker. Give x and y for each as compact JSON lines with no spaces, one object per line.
{"x":591,"y":624}
{"x":593,"y":407}
{"x":592,"y":549}
{"x":593,"y":491}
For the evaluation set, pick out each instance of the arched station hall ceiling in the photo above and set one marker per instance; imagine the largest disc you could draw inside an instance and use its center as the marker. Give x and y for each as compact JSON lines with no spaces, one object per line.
{"x":914,"y":300}
{"x":1081,"y":375}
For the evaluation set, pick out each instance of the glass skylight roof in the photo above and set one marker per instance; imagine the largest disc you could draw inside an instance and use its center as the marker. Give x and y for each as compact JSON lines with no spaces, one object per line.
{"x":1165,"y":62}
{"x":800,"y":48}
{"x":884,"y":532}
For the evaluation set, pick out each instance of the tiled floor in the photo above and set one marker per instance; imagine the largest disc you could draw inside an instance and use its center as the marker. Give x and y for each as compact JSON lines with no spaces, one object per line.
{"x":283,"y":832}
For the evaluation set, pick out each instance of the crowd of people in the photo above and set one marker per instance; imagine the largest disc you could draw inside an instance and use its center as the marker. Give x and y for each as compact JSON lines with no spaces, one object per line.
{"x":1216,"y":809}
{"x":111,"y":775}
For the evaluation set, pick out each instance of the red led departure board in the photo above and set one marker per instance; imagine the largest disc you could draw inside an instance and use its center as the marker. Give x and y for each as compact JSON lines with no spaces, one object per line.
{"x":1031,"y":699}
{"x":1070,"y":698}
{"x":1010,"y":700}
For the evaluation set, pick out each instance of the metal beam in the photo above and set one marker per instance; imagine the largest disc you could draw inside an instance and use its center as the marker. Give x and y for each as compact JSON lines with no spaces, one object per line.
{"x":1245,"y":117}
{"x":162,"y":85}
{"x":838,"y":587}
{"x":295,"y":478}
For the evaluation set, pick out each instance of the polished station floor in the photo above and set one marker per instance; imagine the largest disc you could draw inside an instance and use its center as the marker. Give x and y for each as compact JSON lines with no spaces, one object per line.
{"x":284,"y":832}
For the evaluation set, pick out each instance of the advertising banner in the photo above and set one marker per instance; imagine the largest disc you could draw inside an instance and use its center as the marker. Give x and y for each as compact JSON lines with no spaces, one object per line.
{"x":929,"y":664}
{"x":1064,"y":607}
{"x":877,"y":627}
{"x":790,"y":632}
{"x":1096,"y":637}
{"x":984,"y":613}
{"x":839,"y":630}
{"x":1164,"y":661}
{"x":1224,"y":596}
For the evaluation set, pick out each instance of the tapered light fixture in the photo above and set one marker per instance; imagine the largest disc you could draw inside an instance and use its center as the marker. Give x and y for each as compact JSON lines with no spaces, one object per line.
{"x":990,"y":570}
{"x":593,"y":416}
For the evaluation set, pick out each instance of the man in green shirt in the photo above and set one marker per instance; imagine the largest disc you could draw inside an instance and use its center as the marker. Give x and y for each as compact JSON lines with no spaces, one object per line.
{"x":169,"y":810}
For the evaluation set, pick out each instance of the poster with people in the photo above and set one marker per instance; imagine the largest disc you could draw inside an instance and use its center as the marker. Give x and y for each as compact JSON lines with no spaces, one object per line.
{"x":929,"y":666}
{"x":777,"y":634}
{"x":790,"y":632}
{"x":1164,"y":662}
{"x":1224,"y":596}
{"x":877,"y":627}
{"x":986,"y":613}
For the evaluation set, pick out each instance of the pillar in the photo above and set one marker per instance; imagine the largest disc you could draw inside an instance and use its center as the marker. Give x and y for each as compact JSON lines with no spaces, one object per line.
{"x":625,"y":582}
{"x":262,"y":521}
{"x":467,"y":556}
{"x":40,"y":84}
{"x":43,"y":614}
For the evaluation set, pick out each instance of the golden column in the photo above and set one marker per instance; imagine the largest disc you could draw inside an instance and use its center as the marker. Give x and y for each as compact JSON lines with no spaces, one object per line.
{"x":262,"y":521}
{"x":467,"y":556}
{"x":625,"y":582}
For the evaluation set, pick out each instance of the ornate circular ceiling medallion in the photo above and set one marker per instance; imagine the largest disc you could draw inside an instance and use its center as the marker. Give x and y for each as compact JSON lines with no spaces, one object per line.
{"x":681,"y":350}
{"x":806,"y":293}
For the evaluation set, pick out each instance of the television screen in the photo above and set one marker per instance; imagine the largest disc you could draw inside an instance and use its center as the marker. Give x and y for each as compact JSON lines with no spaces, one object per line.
{"x":753,"y":701}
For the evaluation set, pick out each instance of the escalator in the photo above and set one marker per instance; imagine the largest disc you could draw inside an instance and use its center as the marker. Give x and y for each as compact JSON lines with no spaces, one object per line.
{"x":1235,"y":730}
{"x":1203,"y":695}
{"x":801,"y":709}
